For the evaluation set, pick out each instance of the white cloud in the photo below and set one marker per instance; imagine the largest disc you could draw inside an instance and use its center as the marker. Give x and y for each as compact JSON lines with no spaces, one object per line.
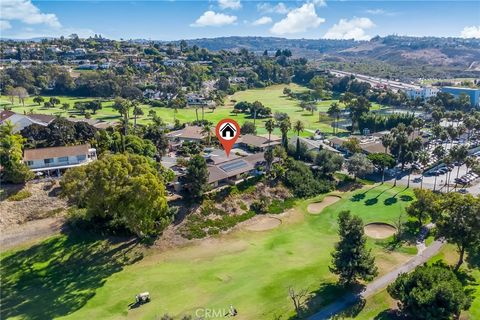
{"x":26,"y":12}
{"x":319,"y":3}
{"x":266,"y":7}
{"x":262,"y":21}
{"x":4,"y":25}
{"x":470,"y":32}
{"x":229,"y":4}
{"x":380,"y":12}
{"x":350,"y":29}
{"x":298,"y":20}
{"x":211,"y":18}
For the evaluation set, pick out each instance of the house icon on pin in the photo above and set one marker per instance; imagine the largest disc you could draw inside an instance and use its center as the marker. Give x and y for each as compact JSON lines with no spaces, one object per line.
{"x":228,"y":131}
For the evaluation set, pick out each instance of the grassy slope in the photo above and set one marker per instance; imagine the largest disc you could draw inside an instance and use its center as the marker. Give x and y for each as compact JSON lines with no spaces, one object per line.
{"x":271,"y":97}
{"x":250,"y":270}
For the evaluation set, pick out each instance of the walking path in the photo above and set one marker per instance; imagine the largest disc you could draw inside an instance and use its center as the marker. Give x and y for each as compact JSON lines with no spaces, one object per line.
{"x":378,"y":284}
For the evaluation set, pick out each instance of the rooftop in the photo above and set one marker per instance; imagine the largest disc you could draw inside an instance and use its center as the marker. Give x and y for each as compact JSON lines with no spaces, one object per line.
{"x":55,"y":152}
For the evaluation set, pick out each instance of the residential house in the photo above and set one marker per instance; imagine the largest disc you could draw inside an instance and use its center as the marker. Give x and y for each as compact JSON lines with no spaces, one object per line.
{"x":21,"y":121}
{"x":312,"y":144}
{"x":58,"y":158}
{"x":194,"y":99}
{"x":256,"y":143}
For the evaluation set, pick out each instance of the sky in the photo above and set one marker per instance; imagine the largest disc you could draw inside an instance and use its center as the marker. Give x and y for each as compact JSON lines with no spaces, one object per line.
{"x":180,"y":19}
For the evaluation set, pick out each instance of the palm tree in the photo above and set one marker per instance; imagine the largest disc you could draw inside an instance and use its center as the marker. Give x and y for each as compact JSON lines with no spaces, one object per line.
{"x":269,"y":126}
{"x":447,"y":160}
{"x":387,"y":141}
{"x":207,"y":130}
{"x":123,"y":107}
{"x":458,"y":154}
{"x":284,"y":126}
{"x":334,"y":112}
{"x":438,"y":152}
{"x":137,"y":111}
{"x":298,"y":127}
{"x":410,"y":157}
{"x":423,"y":158}
{"x":175,"y":110}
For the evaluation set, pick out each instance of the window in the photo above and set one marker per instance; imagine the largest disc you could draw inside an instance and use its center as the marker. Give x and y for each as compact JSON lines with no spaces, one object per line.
{"x":63,"y":159}
{"x":29,"y":163}
{"x":48,"y":161}
{"x":81,"y":157}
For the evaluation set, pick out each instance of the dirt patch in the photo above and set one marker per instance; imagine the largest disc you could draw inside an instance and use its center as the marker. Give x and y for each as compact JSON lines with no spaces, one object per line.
{"x":379,"y":230}
{"x":262,"y":223}
{"x":43,"y":203}
{"x":317,"y":207}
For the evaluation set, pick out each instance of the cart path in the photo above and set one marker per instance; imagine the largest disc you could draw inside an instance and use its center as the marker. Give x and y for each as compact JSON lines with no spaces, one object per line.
{"x":378,"y":284}
{"x":29,"y":231}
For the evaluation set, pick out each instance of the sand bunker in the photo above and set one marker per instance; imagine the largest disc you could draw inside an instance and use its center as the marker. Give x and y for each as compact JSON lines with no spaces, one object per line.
{"x":317,"y":207}
{"x":379,"y":230}
{"x":262,"y":223}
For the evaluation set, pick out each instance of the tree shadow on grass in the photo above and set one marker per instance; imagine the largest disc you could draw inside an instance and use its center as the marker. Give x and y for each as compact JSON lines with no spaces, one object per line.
{"x":389,"y":314}
{"x":390,"y":201}
{"x":406,"y":198}
{"x":333,"y":293}
{"x":357,"y":197}
{"x":371,"y":201}
{"x":58,"y":276}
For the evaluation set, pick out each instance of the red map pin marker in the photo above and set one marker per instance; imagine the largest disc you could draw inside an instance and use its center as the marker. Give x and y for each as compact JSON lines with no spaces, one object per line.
{"x":227,"y":132}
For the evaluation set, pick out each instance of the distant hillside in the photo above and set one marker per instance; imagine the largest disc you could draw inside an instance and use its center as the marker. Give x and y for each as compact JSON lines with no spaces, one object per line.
{"x":454,"y":56}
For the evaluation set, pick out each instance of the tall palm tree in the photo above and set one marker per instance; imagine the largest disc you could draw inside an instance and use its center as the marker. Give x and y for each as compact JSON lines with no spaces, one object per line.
{"x":207,"y":130}
{"x":137,"y":111}
{"x":458,"y":154}
{"x":423,"y":158}
{"x":387,"y":141}
{"x":269,"y":126}
{"x":438,"y":152}
{"x":334,"y":112}
{"x":298,"y":127}
{"x":410,"y":157}
{"x":123,"y":107}
{"x":447,"y":160}
{"x":285,"y":125}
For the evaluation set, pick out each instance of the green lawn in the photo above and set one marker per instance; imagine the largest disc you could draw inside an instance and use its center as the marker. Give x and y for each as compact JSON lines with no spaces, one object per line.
{"x":86,"y":278}
{"x":271,"y":97}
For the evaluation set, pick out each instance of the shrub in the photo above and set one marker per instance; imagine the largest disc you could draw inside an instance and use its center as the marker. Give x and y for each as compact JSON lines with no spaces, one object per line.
{"x":20,"y":195}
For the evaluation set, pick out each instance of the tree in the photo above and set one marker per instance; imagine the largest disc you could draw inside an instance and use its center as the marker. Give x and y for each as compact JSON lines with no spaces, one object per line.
{"x":54,"y":101}
{"x":123,"y":107}
{"x":298,"y":127}
{"x":352,"y":145}
{"x":196,"y":178}
{"x":38,"y":100}
{"x":94,"y":106}
{"x":248,"y":127}
{"x":207,"y":131}
{"x":137,"y":111}
{"x":351,"y":260}
{"x":328,"y":162}
{"x":223,"y":84}
{"x":269,"y":126}
{"x":285,"y":125}
{"x":122,"y":190}
{"x":21,"y":94}
{"x":334,"y":112}
{"x":382,"y":161}
{"x":358,"y":107}
{"x":359,"y":165}
{"x":425,"y":205}
{"x":430,"y":292}
{"x":11,"y":144}
{"x":65,"y":106}
{"x":459,"y":222}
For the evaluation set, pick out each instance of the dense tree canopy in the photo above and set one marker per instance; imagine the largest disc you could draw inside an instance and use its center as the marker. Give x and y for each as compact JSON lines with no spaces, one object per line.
{"x":122,"y":191}
{"x":430,"y":293}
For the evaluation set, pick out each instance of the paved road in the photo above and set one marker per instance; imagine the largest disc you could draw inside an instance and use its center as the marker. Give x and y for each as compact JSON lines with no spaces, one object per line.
{"x":378,"y":284}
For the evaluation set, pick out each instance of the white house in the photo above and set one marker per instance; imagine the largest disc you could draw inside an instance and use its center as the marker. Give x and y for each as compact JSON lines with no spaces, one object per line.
{"x":21,"y":121}
{"x":423,"y":92}
{"x":58,"y":158}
